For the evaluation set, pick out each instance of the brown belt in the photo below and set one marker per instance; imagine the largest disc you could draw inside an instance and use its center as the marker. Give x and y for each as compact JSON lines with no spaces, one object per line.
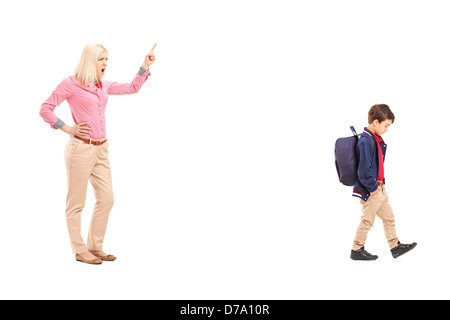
{"x":89,"y":141}
{"x":380,"y":183}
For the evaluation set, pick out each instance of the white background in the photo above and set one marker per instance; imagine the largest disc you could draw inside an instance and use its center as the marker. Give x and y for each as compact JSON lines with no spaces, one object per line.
{"x":223,"y":163}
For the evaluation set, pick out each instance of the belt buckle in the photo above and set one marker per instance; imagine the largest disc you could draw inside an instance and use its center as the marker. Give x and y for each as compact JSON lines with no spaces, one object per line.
{"x":90,"y":140}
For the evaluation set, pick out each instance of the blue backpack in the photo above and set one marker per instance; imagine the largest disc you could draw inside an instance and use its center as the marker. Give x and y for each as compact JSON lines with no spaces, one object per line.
{"x":346,"y":159}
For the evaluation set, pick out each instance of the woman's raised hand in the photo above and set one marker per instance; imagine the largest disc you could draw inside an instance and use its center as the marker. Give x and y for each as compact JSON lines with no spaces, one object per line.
{"x":149,"y":58}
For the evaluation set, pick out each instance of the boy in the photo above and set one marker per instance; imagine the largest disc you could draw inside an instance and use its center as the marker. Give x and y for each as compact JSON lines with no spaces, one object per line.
{"x":370,"y":187}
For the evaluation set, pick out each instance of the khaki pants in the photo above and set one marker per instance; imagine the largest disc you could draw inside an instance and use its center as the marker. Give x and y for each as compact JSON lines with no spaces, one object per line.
{"x":377,"y":205}
{"x":86,"y":162}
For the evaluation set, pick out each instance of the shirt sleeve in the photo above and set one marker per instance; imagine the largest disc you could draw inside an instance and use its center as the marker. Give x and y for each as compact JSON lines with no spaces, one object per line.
{"x":61,"y":93}
{"x":129,"y":88}
{"x":58,"y":124}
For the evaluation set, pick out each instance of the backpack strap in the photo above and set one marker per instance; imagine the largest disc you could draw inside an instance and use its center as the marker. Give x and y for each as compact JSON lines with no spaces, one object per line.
{"x":354,"y":132}
{"x":375,"y":145}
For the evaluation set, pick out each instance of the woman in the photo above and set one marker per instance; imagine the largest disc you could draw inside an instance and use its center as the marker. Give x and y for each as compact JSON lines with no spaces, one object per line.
{"x":86,"y":154}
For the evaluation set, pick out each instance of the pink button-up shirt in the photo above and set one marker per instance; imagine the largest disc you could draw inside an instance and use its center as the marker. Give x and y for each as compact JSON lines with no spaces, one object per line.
{"x":88,"y":104}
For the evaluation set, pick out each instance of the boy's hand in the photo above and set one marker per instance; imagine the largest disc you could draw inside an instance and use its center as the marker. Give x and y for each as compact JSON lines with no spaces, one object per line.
{"x":375,"y":192}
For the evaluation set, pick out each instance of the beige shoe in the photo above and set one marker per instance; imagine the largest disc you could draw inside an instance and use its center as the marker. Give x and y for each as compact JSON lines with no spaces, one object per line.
{"x":92,"y":261}
{"x":109,"y":257}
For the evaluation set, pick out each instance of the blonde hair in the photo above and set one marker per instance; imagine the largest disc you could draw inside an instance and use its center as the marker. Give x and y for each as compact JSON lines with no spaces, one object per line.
{"x":86,"y":71}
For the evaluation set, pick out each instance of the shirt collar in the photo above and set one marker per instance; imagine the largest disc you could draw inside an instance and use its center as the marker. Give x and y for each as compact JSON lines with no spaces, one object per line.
{"x":377,"y":137}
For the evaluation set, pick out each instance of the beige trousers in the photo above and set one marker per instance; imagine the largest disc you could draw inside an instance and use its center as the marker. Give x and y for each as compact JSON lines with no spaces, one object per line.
{"x":87,"y":162}
{"x":377,"y":205}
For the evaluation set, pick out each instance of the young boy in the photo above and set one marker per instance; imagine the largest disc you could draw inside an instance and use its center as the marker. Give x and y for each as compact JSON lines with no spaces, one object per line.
{"x":370,"y":187}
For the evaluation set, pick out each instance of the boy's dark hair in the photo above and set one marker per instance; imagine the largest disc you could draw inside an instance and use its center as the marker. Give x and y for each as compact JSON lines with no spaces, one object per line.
{"x":380,"y":112}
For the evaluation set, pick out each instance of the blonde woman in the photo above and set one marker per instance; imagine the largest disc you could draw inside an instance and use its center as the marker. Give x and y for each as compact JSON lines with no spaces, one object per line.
{"x":86,"y":153}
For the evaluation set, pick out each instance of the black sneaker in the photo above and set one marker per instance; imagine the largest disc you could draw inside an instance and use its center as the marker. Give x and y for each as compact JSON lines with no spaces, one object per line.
{"x":362,"y":254}
{"x":401,"y":249}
